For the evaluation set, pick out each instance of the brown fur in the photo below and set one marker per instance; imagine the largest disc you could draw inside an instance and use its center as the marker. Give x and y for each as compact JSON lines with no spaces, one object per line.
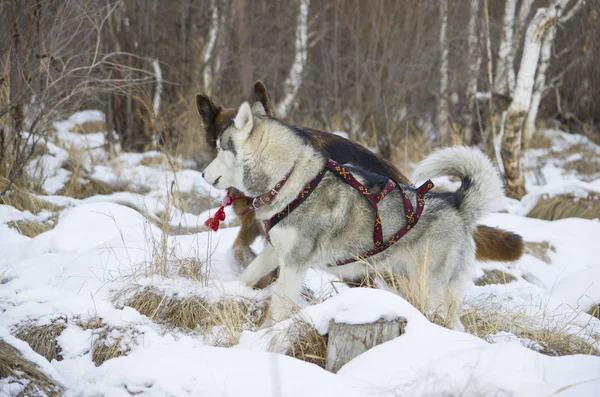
{"x":492,"y":244}
{"x":495,"y":244}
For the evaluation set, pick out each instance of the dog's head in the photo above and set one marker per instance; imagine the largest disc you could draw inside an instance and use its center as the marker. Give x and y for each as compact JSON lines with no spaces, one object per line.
{"x":230,"y":168}
{"x":215,"y":119}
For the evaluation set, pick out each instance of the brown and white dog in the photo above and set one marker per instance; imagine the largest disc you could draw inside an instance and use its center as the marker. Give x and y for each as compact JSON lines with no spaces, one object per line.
{"x":492,"y":244}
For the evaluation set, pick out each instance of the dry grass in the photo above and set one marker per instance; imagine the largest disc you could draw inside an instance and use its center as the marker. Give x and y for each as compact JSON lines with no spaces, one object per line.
{"x":152,"y":161}
{"x":494,"y":276}
{"x":540,"y":250}
{"x":81,"y":186}
{"x":42,"y":338}
{"x":110,"y":343}
{"x":586,"y":167}
{"x":567,"y":206}
{"x":90,"y":127}
{"x":31,"y":228}
{"x":595,"y":311}
{"x":549,"y":339}
{"x":307,"y":344}
{"x":23,"y":200}
{"x":14,"y":365}
{"x":222,"y":321}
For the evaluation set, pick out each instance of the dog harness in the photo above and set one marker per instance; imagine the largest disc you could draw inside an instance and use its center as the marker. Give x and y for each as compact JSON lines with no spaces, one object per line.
{"x":412,"y":215}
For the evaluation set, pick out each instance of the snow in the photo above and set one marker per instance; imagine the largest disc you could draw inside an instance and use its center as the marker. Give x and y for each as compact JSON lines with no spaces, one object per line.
{"x":106,"y":244}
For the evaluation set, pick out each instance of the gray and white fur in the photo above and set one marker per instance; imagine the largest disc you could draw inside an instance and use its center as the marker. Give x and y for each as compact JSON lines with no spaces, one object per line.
{"x":335,"y":222}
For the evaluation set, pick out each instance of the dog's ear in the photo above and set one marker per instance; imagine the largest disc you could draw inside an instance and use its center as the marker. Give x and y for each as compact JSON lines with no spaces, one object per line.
{"x":207,"y":110}
{"x":244,"y":120}
{"x":259,"y":94}
{"x":258,"y":109}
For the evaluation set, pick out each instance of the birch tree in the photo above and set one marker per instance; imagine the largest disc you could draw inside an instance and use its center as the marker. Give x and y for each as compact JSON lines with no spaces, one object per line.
{"x":442,"y":113}
{"x":505,"y":74}
{"x":209,"y":48}
{"x":474,"y":65}
{"x":540,"y":78}
{"x":513,"y":120}
{"x":294,"y":79}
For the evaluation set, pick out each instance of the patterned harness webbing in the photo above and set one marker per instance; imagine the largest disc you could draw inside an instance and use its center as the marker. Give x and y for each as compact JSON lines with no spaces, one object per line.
{"x":412,"y":216}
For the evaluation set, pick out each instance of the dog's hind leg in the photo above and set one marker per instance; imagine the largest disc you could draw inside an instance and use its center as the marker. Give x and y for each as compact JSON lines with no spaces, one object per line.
{"x":287,"y":291}
{"x":260,"y":266}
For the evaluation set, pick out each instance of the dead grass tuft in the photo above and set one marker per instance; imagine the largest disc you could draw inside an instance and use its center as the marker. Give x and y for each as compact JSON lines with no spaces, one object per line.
{"x":110,"y":343}
{"x":90,"y":127}
{"x":494,"y":276}
{"x":222,"y":321}
{"x":595,"y":311}
{"x":35,"y":383}
{"x":567,"y":206}
{"x":31,"y":228}
{"x":540,"y":250}
{"x":540,"y":141}
{"x":152,"y":161}
{"x":585,"y":167}
{"x":23,"y":200}
{"x":308,"y":345}
{"x":42,"y":338}
{"x":550,"y":340}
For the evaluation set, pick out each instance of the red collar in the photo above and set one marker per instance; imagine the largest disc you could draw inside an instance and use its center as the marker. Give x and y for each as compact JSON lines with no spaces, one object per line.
{"x":261,"y":201}
{"x":265,"y":199}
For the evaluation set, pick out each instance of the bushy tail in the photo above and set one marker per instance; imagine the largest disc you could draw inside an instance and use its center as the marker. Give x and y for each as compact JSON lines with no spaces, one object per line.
{"x":481,"y":190}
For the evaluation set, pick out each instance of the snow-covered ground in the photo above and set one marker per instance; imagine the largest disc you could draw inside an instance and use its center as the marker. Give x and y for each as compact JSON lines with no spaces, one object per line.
{"x":105,"y":248}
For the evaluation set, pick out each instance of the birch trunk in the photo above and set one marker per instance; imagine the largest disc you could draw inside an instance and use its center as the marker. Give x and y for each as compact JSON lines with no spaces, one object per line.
{"x":442,"y":114}
{"x":540,"y":85}
{"x":294,"y":79}
{"x":474,"y":65}
{"x":521,"y":24}
{"x":540,"y":78}
{"x":209,"y":47}
{"x":517,"y":111}
{"x":505,"y":73}
{"x":157,"y":97}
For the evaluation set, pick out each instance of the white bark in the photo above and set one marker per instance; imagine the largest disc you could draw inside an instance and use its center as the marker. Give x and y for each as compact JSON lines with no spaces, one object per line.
{"x":474,"y":65}
{"x":505,"y":73}
{"x":544,"y":62}
{"x":209,"y":47}
{"x":442,"y":114}
{"x":540,"y":83}
{"x":521,"y":23}
{"x":529,"y":60}
{"x":159,"y":87}
{"x":294,"y":79}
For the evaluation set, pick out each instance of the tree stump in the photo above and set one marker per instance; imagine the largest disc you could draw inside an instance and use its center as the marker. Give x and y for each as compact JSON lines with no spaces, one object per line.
{"x":346,"y":341}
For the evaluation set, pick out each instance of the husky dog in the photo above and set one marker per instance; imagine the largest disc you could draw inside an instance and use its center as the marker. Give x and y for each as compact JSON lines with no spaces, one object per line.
{"x":258,"y":154}
{"x":492,"y":243}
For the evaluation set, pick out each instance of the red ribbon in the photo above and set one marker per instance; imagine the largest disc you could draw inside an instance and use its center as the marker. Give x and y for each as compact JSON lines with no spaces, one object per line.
{"x":213,"y":223}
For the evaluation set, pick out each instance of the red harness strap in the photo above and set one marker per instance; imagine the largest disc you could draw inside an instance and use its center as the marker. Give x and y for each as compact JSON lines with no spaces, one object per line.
{"x":412,"y":216}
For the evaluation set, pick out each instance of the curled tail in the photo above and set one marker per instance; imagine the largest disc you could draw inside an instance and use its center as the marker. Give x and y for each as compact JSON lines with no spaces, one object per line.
{"x":481,"y":190}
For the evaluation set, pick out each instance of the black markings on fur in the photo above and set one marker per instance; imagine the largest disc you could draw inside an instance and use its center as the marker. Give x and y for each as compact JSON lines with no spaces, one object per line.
{"x":455,"y":199}
{"x":227,"y":144}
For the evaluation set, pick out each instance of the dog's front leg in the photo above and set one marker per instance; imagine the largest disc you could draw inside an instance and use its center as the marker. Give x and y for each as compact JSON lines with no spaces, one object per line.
{"x":260,"y":266}
{"x":286,"y":293}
